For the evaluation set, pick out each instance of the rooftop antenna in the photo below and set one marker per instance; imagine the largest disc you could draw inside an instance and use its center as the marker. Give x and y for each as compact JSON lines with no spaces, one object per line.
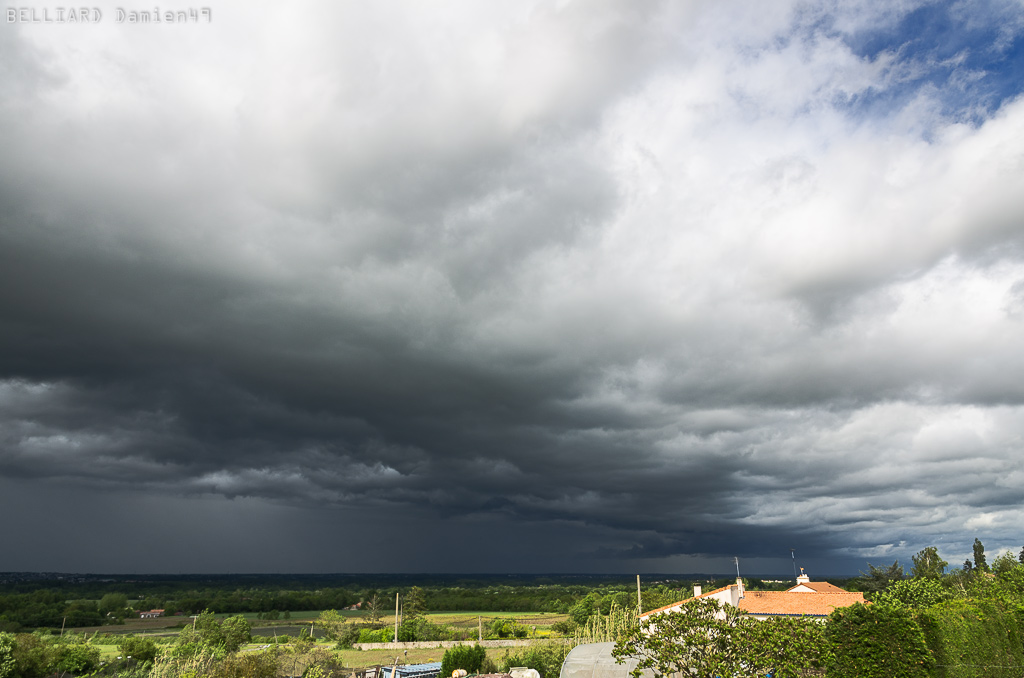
{"x":739,"y":580}
{"x":792,"y":553}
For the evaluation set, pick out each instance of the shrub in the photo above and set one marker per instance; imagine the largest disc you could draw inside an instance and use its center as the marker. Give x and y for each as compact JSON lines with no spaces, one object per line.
{"x":32,"y":654}
{"x":462,"y":657}
{"x":247,"y":665}
{"x":546,"y":659}
{"x":75,"y":658}
{"x":138,"y":648}
{"x":507,"y":628}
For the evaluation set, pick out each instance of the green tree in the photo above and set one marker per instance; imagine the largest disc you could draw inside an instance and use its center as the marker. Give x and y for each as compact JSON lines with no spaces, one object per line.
{"x":331,"y":623}
{"x":1004,"y":564}
{"x":928,"y":564}
{"x":6,"y":655}
{"x":414,"y":605}
{"x":235,"y":631}
{"x":374,"y":608}
{"x":876,"y":641}
{"x":782,"y":647}
{"x":581,"y":612}
{"x":979,"y":556}
{"x":698,"y":641}
{"x":114,"y":604}
{"x":880,"y":578}
{"x":914,"y":593}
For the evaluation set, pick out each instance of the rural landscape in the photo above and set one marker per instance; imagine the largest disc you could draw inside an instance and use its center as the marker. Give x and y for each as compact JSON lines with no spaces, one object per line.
{"x":923,"y":621}
{"x":512,"y":338}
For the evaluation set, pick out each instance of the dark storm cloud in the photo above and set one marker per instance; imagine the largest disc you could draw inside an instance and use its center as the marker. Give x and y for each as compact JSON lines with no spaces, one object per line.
{"x":622,"y":285}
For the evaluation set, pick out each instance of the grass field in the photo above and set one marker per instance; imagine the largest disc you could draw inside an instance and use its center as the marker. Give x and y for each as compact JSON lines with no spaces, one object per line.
{"x":358,"y":659}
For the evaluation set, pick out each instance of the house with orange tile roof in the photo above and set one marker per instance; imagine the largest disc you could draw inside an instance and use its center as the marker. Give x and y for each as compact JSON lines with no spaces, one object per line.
{"x":806,"y":599}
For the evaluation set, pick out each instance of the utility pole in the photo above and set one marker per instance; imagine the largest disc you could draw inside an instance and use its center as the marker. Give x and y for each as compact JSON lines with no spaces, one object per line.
{"x":792,"y":553}
{"x":396,"y":622}
{"x":639,"y":602}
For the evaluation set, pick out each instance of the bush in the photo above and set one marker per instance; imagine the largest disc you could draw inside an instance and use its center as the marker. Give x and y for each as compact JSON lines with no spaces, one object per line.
{"x":372,"y":636}
{"x":462,"y":657}
{"x":75,"y":658}
{"x":876,"y":641}
{"x":32,"y":655}
{"x":247,"y":665}
{"x":506,"y":628}
{"x":546,"y":658}
{"x":138,"y":648}
{"x":348,"y":635}
{"x":565,"y":627}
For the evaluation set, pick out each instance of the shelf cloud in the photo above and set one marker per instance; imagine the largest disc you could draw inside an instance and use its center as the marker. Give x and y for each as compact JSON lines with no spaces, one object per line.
{"x":553,"y":286}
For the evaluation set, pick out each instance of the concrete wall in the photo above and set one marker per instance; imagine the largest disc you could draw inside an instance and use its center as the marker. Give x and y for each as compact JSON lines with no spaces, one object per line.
{"x":427,"y":644}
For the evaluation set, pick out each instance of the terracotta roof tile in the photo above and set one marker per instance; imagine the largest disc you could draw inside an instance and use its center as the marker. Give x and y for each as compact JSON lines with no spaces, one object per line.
{"x":784,"y":603}
{"x":791,"y":603}
{"x":820,"y":587}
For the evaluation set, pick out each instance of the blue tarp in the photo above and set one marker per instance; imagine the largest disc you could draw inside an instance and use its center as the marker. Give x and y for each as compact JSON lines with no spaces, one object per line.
{"x":412,"y":671}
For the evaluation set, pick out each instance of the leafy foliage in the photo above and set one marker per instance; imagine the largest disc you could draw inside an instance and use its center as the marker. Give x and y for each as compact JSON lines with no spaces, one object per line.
{"x":698,"y":640}
{"x":975,"y":639}
{"x":6,"y":655}
{"x":506,"y":627}
{"x":76,"y":658}
{"x":980,"y":563}
{"x":207,"y":634}
{"x":546,"y":659}
{"x":414,"y":605}
{"x":914,"y":593}
{"x":465,"y":657}
{"x":139,"y":648}
{"x":783,"y":647}
{"x":928,"y":564}
{"x":880,"y":578}
{"x":876,"y":641}
{"x":247,"y":665}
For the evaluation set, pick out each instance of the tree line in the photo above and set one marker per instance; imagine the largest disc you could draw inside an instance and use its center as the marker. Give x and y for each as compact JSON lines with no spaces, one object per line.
{"x":40,"y":603}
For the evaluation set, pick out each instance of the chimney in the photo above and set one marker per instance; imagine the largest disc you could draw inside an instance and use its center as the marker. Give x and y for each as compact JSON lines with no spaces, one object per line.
{"x":696,"y":590}
{"x":803,"y":578}
{"x":739,"y":586}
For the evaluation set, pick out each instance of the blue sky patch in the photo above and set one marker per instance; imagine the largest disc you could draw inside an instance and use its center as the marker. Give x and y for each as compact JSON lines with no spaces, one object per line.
{"x":966,"y":56}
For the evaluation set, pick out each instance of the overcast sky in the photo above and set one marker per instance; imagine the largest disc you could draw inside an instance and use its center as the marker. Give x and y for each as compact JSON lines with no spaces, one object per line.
{"x":547,"y":286}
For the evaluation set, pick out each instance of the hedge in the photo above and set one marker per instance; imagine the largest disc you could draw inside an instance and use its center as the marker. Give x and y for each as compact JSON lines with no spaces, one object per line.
{"x":974,"y":639}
